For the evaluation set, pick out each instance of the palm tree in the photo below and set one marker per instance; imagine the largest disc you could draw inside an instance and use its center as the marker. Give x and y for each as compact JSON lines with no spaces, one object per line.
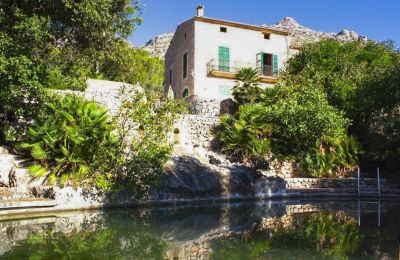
{"x":247,"y":88}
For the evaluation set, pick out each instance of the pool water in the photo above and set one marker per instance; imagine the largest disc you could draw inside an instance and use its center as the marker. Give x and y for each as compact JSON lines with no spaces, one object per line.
{"x":313,"y":229}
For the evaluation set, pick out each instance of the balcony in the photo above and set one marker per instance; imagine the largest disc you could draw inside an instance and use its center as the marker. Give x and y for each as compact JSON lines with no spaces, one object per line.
{"x":229,"y":70}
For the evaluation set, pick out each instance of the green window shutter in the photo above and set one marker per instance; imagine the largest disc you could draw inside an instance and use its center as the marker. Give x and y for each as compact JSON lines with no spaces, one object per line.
{"x":223,"y":57}
{"x":275,"y":67}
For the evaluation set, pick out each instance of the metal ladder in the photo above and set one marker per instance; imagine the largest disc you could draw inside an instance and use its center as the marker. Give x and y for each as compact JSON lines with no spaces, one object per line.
{"x":378,"y":203}
{"x":369,"y":192}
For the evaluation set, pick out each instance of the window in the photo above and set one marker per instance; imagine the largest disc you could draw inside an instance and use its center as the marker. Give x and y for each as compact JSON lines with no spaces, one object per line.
{"x":223,"y":29}
{"x":267,"y":36}
{"x":185,"y":36}
{"x":264,"y":64}
{"x":185,"y":93}
{"x":185,"y":65}
{"x":223,"y":58}
{"x":170,"y":76}
{"x":267,"y":64}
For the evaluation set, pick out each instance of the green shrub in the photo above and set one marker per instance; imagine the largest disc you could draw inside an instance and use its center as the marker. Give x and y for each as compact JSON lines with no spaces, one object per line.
{"x":144,"y":126}
{"x":244,"y":135}
{"x":362,"y":81}
{"x":292,"y":123}
{"x":71,"y":140}
{"x":247,"y":88}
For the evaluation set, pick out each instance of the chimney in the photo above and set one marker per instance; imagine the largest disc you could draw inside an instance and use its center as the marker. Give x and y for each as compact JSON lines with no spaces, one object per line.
{"x":200,"y":11}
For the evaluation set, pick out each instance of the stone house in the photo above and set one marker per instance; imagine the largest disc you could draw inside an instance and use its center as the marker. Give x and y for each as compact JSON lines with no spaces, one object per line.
{"x":205,"y":54}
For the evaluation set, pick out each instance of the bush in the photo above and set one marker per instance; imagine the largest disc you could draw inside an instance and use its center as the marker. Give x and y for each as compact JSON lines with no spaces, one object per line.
{"x":294,"y":124}
{"x":71,"y":140}
{"x":144,"y":126}
{"x":362,"y":81}
{"x":247,"y":87}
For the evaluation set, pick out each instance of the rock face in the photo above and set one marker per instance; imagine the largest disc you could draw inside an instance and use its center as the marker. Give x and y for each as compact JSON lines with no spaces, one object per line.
{"x":189,"y":179}
{"x":158,"y":45}
{"x":300,"y":34}
{"x":109,"y":94}
{"x":7,"y":169}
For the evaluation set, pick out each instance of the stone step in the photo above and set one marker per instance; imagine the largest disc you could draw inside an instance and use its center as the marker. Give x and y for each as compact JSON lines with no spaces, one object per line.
{"x":322,"y":190}
{"x":26,"y":203}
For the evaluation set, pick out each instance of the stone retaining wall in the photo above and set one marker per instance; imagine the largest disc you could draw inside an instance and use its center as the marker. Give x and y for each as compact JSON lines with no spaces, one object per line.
{"x":195,"y":130}
{"x":205,"y":107}
{"x":304,"y":183}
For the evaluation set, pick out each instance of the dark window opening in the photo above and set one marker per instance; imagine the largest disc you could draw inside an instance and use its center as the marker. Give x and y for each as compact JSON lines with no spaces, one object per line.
{"x":185,"y":65}
{"x":185,"y":93}
{"x":267,"y":64}
{"x":223,"y":29}
{"x":185,"y":36}
{"x":267,"y":36}
{"x":170,"y":76}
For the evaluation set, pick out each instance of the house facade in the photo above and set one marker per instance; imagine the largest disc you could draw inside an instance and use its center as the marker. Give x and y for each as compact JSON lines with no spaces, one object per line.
{"x":205,"y":54}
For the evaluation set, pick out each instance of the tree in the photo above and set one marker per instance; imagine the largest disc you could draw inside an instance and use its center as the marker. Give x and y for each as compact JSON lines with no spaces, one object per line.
{"x":361,"y":80}
{"x":247,"y":86}
{"x":134,"y":66}
{"x":43,"y":43}
{"x":292,"y":123}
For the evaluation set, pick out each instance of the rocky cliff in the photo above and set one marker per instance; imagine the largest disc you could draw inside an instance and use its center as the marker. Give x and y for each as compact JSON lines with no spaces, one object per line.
{"x":158,"y":45}
{"x":300,"y":35}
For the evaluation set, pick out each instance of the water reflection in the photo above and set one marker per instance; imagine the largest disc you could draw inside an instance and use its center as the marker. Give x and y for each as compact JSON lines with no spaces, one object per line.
{"x":256,"y":230}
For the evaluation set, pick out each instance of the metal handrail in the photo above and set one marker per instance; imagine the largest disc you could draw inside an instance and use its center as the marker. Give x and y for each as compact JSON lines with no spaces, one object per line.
{"x":235,"y":66}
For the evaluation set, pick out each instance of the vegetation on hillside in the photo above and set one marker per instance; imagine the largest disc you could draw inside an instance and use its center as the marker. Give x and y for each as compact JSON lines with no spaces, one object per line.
{"x":337,"y":105}
{"x":58,"y":45}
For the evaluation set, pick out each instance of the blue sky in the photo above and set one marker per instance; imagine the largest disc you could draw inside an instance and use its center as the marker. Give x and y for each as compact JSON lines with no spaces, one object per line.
{"x":378,"y":20}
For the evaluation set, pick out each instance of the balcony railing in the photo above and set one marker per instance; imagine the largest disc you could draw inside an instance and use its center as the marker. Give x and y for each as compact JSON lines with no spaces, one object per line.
{"x":233,"y":67}
{"x":226,"y":66}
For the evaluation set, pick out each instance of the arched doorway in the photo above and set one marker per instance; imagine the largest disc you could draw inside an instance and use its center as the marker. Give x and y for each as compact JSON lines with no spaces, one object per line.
{"x":185,"y":93}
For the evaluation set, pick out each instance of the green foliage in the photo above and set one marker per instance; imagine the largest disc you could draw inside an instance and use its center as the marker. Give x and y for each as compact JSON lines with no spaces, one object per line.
{"x":20,"y":87}
{"x":71,"y":139}
{"x":150,"y":121}
{"x":362,"y":81}
{"x":238,"y":247}
{"x":333,"y":235}
{"x":291,"y":123}
{"x":315,"y":236}
{"x":245,"y":136}
{"x":55,"y":44}
{"x":134,"y":66}
{"x":333,"y":158}
{"x":339,"y":69}
{"x":247,"y":88}
{"x":98,"y":244}
{"x":329,"y":92}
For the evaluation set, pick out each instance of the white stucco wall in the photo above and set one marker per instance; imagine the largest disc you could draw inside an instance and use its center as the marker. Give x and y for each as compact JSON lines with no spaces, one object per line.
{"x":243,"y":44}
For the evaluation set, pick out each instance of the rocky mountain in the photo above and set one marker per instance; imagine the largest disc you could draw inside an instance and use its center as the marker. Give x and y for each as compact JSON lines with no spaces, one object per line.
{"x":300,"y":35}
{"x":158,"y":45}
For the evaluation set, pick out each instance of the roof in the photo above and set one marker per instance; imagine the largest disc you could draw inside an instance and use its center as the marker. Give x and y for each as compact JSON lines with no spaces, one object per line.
{"x":240,"y":25}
